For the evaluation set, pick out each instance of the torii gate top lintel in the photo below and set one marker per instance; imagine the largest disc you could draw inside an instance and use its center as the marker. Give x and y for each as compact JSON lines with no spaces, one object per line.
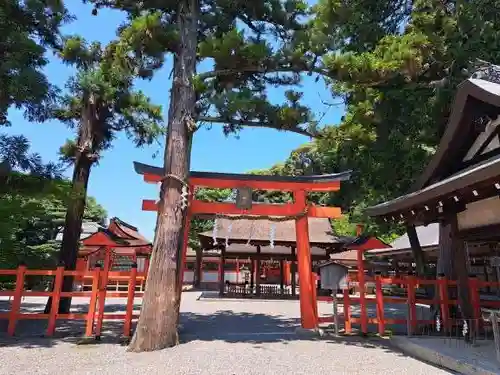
{"x":326,"y":182}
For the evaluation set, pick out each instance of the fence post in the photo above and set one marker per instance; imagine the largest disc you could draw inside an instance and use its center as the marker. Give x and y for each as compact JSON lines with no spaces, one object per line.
{"x":103,"y":288}
{"x":96,"y":275}
{"x":475,"y":301}
{"x":130,"y":301}
{"x":412,"y":308}
{"x":56,"y":297}
{"x":380,"y":303}
{"x":347,"y":311}
{"x":444,"y":301}
{"x":16,"y":301}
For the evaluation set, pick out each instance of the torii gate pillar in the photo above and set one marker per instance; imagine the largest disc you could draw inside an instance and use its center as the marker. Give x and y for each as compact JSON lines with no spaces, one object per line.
{"x":308,"y":303}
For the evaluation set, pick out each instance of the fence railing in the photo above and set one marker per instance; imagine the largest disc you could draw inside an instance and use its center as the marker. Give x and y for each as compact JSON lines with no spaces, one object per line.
{"x":413,"y":296}
{"x":96,"y":298}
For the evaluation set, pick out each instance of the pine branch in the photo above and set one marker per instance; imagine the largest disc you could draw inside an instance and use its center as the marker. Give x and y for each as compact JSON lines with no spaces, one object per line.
{"x":261,"y":70}
{"x":255,"y":124}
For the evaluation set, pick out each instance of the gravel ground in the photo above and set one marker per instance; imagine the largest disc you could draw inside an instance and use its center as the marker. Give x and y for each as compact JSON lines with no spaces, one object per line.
{"x":219,"y":337}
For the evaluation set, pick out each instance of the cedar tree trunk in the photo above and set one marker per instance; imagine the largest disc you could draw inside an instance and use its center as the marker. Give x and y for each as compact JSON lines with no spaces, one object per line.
{"x":157,"y":325}
{"x":85,"y":156}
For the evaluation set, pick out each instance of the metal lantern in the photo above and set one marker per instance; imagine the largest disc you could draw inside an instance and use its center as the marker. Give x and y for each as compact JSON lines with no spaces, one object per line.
{"x":244,"y":198}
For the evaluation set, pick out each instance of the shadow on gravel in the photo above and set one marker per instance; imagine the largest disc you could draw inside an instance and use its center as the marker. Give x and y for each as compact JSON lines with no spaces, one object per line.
{"x":258,"y":329}
{"x":223,"y":325}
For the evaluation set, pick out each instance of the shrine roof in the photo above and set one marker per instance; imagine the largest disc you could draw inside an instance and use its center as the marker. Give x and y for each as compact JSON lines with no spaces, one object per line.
{"x":143,"y":169}
{"x":469,"y":178}
{"x":105,"y":237}
{"x":258,"y":231}
{"x":428,"y":236}
{"x":466,"y":164}
{"x":125,"y":230}
{"x":469,"y":95}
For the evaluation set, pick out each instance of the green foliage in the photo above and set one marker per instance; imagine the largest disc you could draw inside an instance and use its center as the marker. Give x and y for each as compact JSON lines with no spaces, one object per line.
{"x":396,"y":65}
{"x":33,"y":207}
{"x":28,"y":28}
{"x":199,"y":225}
{"x":250,"y":45}
{"x":30,"y":219}
{"x":15,"y":155}
{"x":103,"y":85}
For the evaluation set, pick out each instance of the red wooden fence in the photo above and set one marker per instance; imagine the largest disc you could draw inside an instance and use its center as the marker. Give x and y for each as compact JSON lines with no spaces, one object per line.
{"x":95,"y":315}
{"x":97,"y":298}
{"x":410,"y":284}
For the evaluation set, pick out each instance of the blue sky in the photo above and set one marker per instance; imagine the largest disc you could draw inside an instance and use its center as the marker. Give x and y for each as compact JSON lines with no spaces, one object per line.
{"x":113,"y":182}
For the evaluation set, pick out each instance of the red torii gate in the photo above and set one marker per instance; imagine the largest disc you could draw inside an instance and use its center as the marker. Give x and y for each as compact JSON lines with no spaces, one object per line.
{"x":300,"y":210}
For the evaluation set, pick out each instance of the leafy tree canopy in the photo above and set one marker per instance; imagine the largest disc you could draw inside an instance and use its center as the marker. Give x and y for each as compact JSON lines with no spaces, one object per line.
{"x":34,"y":199}
{"x":250,"y":45}
{"x":28,"y":28}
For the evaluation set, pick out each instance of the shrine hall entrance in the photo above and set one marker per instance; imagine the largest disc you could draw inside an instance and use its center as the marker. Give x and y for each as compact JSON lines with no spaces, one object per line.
{"x":271,"y":241}
{"x":258,"y":256}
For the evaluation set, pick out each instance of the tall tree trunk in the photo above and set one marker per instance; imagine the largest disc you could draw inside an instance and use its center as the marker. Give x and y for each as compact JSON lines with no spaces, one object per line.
{"x":157,"y":325}
{"x":85,"y":156}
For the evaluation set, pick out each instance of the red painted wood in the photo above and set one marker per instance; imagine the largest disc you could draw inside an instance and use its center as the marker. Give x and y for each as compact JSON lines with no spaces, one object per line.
{"x":287,"y":209}
{"x":219,"y":183}
{"x":56,"y":297}
{"x":308,"y":303}
{"x":412,"y":303}
{"x":130,"y":302}
{"x":380,"y":305}
{"x":362,"y":297}
{"x":16,"y":302}
{"x":347,"y":312}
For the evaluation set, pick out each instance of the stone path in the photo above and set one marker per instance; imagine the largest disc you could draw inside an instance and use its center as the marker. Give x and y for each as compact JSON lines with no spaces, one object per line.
{"x":219,"y":337}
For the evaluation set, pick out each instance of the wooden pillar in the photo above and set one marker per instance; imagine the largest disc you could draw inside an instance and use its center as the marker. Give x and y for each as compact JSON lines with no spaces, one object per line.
{"x":257,"y":272}
{"x":252,"y":275}
{"x":237,"y":271}
{"x":282,"y":276}
{"x":460,"y":262}
{"x":306,"y":294}
{"x":197,"y":268}
{"x":222,"y":263}
{"x":287,"y":272}
{"x":416,"y":249}
{"x":362,"y":291}
{"x":293,"y":269}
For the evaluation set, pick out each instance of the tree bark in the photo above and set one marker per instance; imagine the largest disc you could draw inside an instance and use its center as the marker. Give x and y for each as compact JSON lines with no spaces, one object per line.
{"x":87,"y":145}
{"x":157,"y":325}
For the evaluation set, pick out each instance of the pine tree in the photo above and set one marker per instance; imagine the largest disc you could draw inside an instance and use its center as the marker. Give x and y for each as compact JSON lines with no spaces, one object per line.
{"x":252,"y":45}
{"x":28,"y":29}
{"x":100,"y":102}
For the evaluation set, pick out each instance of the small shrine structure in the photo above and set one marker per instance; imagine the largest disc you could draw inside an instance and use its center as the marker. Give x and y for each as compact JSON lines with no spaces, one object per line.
{"x":264,"y":253}
{"x":116,"y":248}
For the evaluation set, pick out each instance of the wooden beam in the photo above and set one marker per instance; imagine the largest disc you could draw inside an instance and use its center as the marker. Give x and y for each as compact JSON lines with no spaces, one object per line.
{"x":319,"y":186}
{"x":325,"y":212}
{"x":287,"y":209}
